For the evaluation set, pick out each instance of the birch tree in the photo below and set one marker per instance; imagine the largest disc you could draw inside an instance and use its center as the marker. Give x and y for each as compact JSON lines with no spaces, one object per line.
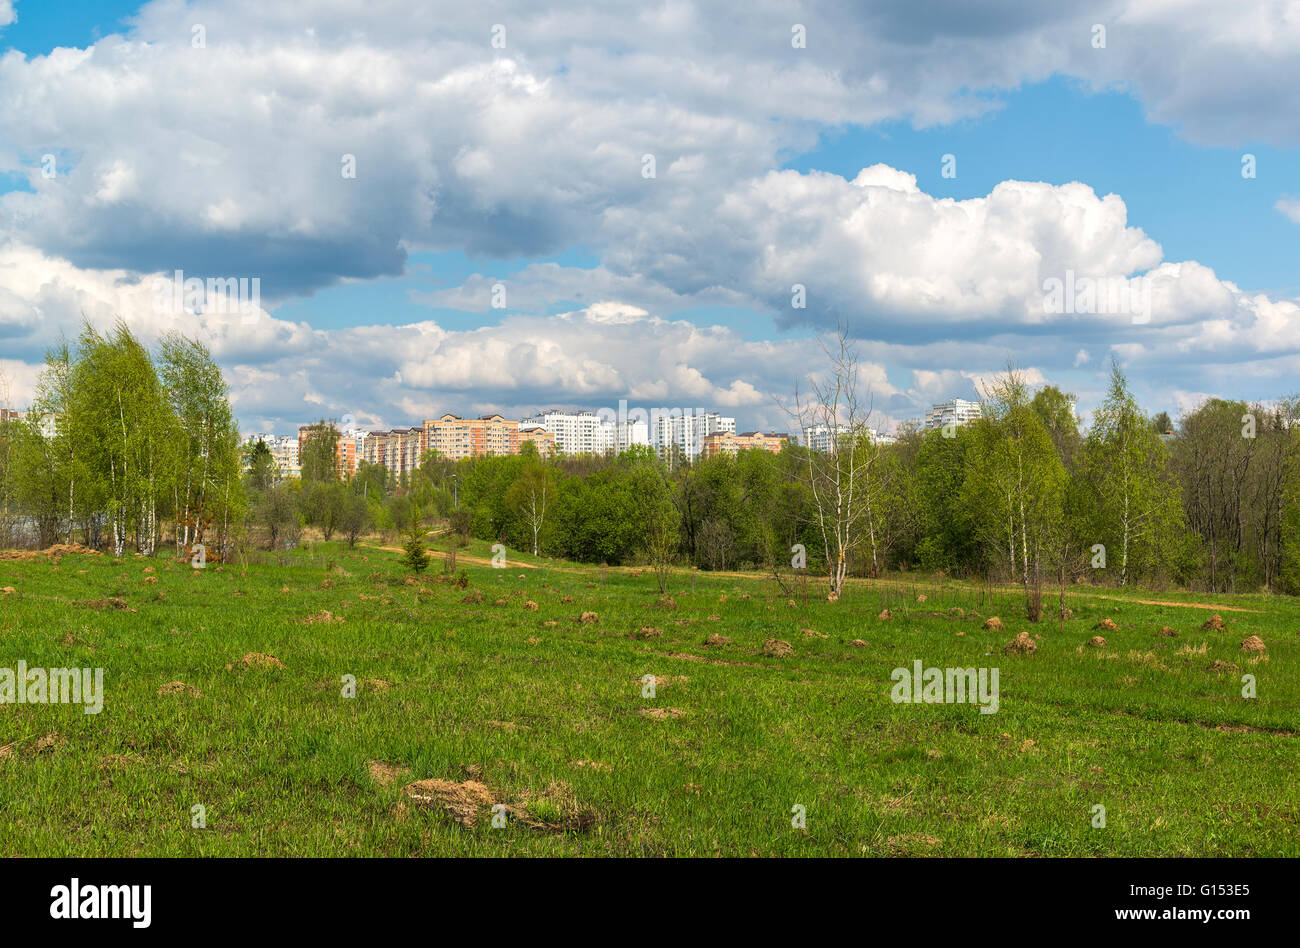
{"x":835,"y":409}
{"x":1135,"y":499}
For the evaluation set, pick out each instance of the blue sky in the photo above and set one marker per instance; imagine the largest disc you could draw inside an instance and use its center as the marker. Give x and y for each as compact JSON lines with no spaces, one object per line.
{"x":532,"y":159}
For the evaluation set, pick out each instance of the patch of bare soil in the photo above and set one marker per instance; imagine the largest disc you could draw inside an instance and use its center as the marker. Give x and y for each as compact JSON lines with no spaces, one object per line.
{"x":258,"y":660}
{"x":384,"y":773}
{"x":179,"y":688}
{"x":323,"y":616}
{"x":814,"y":634}
{"x":648,"y":632}
{"x":715,"y":640}
{"x":462,"y":801}
{"x":662,"y":714}
{"x":589,"y":617}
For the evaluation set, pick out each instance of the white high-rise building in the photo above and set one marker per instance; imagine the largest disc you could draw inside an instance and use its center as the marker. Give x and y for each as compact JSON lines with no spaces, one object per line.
{"x":576,"y":432}
{"x":823,"y":437}
{"x":955,"y":411}
{"x":627,"y":434}
{"x":688,"y":431}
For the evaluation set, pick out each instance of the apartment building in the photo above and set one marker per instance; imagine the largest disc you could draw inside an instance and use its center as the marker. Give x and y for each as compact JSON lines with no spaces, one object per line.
{"x":726,"y":442}
{"x":576,"y":432}
{"x":399,"y":449}
{"x":539,"y":436}
{"x":688,"y":431}
{"x":284,"y":454}
{"x":955,"y":411}
{"x":347,"y":450}
{"x":455,"y":437}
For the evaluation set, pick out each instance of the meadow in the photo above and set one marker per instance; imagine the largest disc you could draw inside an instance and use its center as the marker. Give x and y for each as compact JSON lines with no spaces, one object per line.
{"x":495,"y":719}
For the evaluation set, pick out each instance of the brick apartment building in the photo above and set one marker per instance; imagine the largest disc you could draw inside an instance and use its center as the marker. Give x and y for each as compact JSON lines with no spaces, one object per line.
{"x":725,"y":442}
{"x":455,"y":437}
{"x":543,"y":439}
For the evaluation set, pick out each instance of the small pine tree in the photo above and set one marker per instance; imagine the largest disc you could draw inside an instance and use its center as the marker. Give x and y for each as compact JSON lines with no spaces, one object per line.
{"x":416,"y":556}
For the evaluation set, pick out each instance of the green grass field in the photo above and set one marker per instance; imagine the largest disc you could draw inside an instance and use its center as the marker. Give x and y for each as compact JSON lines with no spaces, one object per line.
{"x":545,"y":714}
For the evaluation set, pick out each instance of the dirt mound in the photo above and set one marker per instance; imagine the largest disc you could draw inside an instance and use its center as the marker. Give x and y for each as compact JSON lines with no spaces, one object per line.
{"x":994,"y":624}
{"x":859,"y":643}
{"x":1108,"y":625}
{"x":666,"y":602}
{"x":777,"y":648}
{"x":1097,"y":641}
{"x":500,"y":602}
{"x":1214,"y":623}
{"x":1167,"y":632}
{"x":473,"y":598}
{"x":112,"y":602}
{"x":921,"y":598}
{"x":1253,"y":644}
{"x":830,"y":597}
{"x":8,"y":590}
{"x":462,"y":801}
{"x":258,"y":660}
{"x":323,"y":616}
{"x":885,"y":614}
{"x":588,"y":618}
{"x":1022,"y":644}
{"x":178,"y":688}
{"x":530,"y":605}
{"x":648,"y":632}
{"x":566,"y":599}
{"x":813,"y":634}
{"x":716,"y":639}
{"x":56,"y":551}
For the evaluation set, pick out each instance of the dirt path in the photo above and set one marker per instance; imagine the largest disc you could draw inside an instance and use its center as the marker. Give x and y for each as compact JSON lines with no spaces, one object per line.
{"x":467,"y":557}
{"x":859,"y":581}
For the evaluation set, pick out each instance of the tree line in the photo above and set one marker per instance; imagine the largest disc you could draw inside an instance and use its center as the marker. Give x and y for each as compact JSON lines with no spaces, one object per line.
{"x":124,"y":447}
